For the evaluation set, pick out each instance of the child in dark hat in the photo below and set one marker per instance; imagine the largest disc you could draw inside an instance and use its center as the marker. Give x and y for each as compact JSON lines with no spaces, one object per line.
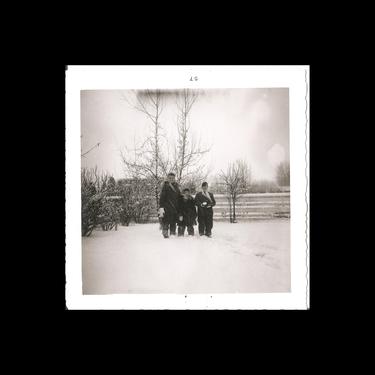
{"x":205,"y":200}
{"x":187,"y":214}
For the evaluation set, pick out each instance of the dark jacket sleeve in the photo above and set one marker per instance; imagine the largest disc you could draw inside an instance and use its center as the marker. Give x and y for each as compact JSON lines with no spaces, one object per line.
{"x":179,"y":207}
{"x":178,"y":190}
{"x":163,"y":196}
{"x":197,"y":201}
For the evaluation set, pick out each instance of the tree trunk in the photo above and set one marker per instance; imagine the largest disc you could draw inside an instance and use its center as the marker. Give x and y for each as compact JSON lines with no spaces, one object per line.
{"x":230,"y":209}
{"x":157,"y":158}
{"x":234,"y":208}
{"x":183,"y":146}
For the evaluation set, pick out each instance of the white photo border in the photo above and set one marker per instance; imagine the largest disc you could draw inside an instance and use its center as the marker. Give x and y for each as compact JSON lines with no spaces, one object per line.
{"x":295,"y":77}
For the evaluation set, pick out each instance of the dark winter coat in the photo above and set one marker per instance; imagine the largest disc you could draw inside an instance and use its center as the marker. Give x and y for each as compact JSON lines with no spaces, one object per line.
{"x":169,"y":200}
{"x":204,"y":210}
{"x":186,"y":209}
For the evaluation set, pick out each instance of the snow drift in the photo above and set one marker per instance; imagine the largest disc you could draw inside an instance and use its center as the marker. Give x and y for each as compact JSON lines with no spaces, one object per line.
{"x":244,"y":257}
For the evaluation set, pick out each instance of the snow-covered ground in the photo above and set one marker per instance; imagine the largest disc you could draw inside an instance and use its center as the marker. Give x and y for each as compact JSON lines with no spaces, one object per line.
{"x":243,"y":257}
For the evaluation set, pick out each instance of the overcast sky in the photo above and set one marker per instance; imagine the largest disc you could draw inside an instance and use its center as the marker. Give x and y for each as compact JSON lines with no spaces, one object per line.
{"x":250,"y":124}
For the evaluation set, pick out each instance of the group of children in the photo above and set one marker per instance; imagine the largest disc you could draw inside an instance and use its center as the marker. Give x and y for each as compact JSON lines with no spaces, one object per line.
{"x":183,"y":210}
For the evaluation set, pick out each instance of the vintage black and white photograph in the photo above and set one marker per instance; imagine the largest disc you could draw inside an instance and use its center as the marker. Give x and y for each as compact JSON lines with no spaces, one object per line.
{"x":187,"y":190}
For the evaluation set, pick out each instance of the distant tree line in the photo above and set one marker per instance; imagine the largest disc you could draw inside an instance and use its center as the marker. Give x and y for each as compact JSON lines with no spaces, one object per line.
{"x":278,"y":185}
{"x":283,"y":174}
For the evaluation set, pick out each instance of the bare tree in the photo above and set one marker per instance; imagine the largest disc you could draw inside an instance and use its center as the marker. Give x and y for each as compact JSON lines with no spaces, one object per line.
{"x":147,"y":160}
{"x":153,"y":158}
{"x":237,"y":179}
{"x":283,"y":174}
{"x":188,"y":151}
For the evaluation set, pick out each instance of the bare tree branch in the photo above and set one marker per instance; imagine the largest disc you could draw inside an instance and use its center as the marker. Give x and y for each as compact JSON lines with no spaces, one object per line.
{"x":85,"y":153}
{"x":188,"y":153}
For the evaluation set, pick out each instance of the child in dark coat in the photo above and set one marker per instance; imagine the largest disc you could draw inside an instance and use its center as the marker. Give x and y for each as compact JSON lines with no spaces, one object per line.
{"x":187,"y":213}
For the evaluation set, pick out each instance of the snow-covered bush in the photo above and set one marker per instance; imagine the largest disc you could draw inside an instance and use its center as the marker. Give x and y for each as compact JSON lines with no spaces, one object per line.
{"x":97,"y":208}
{"x":109,"y":216}
{"x":137,"y":201}
{"x":107,"y":203}
{"x":126,"y":202}
{"x":143,"y":210}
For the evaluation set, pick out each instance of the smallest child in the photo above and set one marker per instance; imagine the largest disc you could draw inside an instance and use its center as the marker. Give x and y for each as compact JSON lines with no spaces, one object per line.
{"x":187,"y":213}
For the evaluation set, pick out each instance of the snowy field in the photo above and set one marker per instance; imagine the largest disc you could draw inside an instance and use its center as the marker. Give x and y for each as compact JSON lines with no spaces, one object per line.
{"x":244,"y":257}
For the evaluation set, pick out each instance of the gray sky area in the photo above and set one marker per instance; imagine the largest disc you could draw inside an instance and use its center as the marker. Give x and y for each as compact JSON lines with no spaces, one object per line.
{"x":250,"y":124}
